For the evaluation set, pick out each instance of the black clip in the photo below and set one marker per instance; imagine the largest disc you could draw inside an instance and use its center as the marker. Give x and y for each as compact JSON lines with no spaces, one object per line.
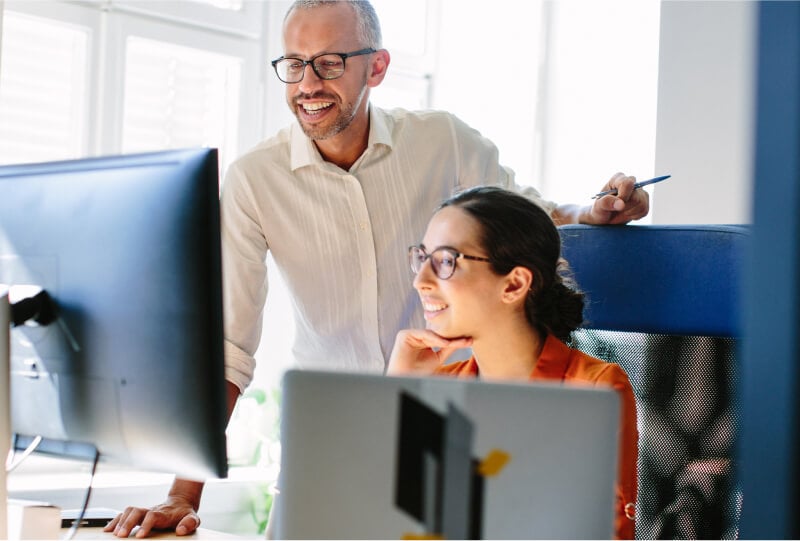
{"x":40,"y":308}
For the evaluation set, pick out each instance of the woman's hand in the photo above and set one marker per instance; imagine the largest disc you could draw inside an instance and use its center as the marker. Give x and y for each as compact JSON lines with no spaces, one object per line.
{"x":420,"y":351}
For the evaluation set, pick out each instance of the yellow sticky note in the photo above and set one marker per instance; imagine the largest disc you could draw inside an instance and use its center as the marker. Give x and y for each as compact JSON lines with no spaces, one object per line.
{"x":493,"y":463}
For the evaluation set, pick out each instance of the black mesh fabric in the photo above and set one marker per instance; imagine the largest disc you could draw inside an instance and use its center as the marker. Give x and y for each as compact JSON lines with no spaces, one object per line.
{"x":686,"y":407}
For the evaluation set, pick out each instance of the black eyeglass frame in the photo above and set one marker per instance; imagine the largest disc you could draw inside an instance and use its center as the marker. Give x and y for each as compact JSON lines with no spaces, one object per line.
{"x":429,"y":256}
{"x":310,"y":61}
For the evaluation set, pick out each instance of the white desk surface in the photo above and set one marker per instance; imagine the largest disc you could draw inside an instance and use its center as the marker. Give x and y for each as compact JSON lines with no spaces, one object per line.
{"x":201,"y":533}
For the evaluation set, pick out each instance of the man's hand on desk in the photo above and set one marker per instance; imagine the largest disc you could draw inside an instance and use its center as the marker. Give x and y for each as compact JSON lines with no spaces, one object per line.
{"x":174,"y":514}
{"x":178,"y":512}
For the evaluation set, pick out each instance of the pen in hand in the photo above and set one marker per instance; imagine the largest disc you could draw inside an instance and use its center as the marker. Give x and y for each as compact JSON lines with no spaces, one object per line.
{"x":635,"y":186}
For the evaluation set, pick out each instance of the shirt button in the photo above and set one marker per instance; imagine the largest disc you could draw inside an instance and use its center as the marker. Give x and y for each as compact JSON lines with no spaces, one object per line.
{"x":363,"y":226}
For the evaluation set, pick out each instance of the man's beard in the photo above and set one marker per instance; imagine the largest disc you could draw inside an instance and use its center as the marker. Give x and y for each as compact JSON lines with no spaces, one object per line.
{"x":345,"y":117}
{"x":317,"y":132}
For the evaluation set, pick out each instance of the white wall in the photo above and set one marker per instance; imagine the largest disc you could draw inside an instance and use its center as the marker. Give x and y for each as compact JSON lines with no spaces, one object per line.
{"x":705,"y":103}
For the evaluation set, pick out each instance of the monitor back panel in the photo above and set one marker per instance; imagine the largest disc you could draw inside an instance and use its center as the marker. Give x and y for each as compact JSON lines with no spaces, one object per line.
{"x":366,"y":456}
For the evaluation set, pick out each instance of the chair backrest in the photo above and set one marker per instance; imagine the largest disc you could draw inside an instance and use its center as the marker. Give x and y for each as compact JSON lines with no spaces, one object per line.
{"x":663,"y":302}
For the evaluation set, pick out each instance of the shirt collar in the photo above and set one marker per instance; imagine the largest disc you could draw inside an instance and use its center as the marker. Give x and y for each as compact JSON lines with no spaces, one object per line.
{"x":303,"y":151}
{"x":379,"y":133}
{"x":553,"y":361}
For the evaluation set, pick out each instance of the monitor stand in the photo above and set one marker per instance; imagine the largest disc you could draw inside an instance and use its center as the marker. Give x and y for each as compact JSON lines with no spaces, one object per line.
{"x":5,"y":415}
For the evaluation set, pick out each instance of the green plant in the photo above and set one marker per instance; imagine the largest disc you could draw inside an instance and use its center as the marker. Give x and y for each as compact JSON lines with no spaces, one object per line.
{"x":254,"y":441}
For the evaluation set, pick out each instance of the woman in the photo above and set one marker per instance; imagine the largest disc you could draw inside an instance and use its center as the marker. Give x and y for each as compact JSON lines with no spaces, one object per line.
{"x":490,"y":277}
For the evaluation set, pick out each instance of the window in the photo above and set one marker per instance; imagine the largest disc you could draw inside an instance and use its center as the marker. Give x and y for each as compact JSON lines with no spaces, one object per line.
{"x":599,"y":91}
{"x":95,"y":78}
{"x":177,"y":96}
{"x":409,"y":33}
{"x":44,"y":76}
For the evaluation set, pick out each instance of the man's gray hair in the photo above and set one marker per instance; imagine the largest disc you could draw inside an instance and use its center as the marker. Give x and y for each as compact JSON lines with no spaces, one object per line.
{"x":367,"y":25}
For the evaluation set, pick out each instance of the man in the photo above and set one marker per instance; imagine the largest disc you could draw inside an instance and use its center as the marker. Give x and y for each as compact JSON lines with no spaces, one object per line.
{"x":337,"y":199}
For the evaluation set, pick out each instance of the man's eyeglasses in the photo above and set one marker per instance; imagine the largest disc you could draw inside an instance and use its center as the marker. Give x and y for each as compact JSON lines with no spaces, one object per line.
{"x":327,"y":66}
{"x":443,"y":260}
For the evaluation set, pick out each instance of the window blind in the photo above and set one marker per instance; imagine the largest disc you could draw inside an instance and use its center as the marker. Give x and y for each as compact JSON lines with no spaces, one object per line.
{"x":179,"y":96}
{"x":43,"y":81}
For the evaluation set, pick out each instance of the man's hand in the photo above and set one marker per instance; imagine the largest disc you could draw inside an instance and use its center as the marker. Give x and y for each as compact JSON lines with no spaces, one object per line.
{"x":629,"y":204}
{"x":420,"y":351}
{"x":179,"y":512}
{"x":174,"y":514}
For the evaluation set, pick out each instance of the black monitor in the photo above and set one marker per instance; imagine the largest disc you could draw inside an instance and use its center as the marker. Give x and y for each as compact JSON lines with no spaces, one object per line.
{"x":128,"y":247}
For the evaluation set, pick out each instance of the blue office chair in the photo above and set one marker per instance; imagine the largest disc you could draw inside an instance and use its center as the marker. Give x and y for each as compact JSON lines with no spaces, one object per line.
{"x":664,"y":303}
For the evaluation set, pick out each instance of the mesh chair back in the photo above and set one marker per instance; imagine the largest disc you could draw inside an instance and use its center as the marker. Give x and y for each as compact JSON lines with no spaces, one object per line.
{"x":663,"y":303}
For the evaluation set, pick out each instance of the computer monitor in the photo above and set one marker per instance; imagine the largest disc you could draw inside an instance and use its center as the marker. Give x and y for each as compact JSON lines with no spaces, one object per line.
{"x":128,"y":247}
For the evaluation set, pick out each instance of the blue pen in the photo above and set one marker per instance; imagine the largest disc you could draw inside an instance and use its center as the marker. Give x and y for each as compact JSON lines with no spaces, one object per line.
{"x":635,"y":186}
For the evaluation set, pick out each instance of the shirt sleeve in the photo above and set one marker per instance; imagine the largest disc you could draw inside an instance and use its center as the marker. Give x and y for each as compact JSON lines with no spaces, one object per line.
{"x":244,"y":276}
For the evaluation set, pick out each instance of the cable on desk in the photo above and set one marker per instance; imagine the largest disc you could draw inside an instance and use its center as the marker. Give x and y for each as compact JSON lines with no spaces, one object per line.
{"x":13,"y":461}
{"x":77,"y":523}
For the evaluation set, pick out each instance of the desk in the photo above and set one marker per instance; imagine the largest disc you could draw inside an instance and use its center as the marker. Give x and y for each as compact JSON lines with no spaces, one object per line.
{"x":201,"y":533}
{"x":225,"y":506}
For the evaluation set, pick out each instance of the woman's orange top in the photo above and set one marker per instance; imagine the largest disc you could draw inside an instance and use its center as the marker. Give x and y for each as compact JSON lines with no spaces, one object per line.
{"x":559,"y":362}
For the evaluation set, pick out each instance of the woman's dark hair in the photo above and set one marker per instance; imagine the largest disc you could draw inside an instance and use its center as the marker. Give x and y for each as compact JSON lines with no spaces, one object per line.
{"x":516,"y":232}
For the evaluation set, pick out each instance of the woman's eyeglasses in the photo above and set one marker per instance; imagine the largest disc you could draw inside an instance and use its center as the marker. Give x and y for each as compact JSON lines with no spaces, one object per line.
{"x":443,"y":260}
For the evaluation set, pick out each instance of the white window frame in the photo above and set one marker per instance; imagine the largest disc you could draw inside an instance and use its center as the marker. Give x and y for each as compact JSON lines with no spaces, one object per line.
{"x":75,"y":15}
{"x":245,"y":22}
{"x":124,"y":25}
{"x":111,"y":22}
